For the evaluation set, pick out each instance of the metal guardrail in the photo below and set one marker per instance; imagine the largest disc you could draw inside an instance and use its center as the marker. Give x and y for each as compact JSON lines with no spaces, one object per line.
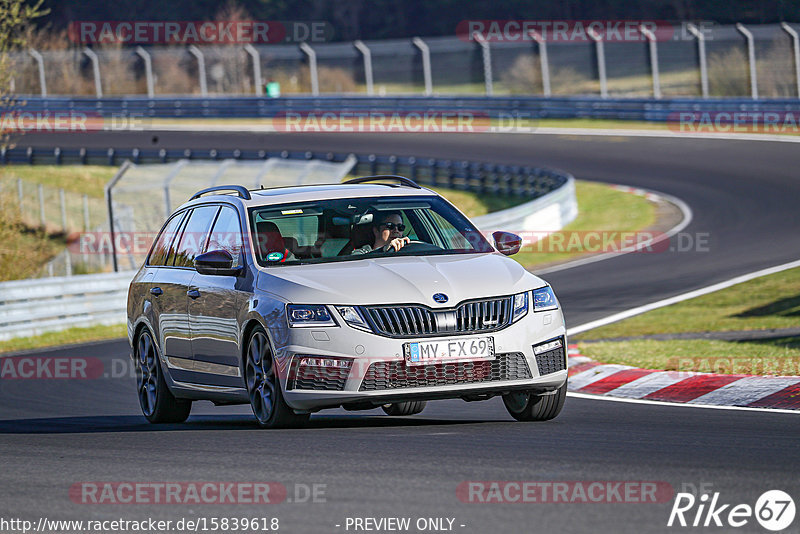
{"x":532,"y":107}
{"x":32,"y":307}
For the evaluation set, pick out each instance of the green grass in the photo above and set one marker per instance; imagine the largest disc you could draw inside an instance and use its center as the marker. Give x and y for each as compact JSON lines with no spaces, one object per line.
{"x":475,"y":205}
{"x":83,"y":179}
{"x":65,"y":337}
{"x":769,"y":357}
{"x":767,"y":302}
{"x":764,"y":303}
{"x":601,"y":209}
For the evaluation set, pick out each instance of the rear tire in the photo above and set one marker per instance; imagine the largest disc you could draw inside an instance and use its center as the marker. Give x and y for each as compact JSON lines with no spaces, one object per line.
{"x":157,"y":402}
{"x":264,"y":387}
{"x":405,"y":408}
{"x":535,"y":407}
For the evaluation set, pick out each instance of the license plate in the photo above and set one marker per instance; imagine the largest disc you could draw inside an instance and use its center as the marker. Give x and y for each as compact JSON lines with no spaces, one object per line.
{"x":449,"y":350}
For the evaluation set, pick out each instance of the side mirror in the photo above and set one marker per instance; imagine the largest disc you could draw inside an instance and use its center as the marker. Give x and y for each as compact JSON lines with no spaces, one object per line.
{"x":217,"y":262}
{"x":507,"y":243}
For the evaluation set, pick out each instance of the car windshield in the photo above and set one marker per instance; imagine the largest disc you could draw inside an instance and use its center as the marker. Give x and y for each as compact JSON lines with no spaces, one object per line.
{"x":357,"y":228}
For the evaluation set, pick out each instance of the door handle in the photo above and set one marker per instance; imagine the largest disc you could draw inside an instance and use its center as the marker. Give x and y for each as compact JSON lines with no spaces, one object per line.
{"x":155,"y":291}
{"x":193,"y":293}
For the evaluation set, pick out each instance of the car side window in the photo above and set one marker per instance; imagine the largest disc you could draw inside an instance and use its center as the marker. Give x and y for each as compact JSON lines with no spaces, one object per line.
{"x":227,"y":234}
{"x":165,"y":240}
{"x":194,"y":235}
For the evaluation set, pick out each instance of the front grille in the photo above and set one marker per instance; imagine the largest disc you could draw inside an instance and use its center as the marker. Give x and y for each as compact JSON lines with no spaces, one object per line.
{"x":396,"y":374}
{"x":551,"y":361}
{"x":470,"y":317}
{"x":318,"y":378}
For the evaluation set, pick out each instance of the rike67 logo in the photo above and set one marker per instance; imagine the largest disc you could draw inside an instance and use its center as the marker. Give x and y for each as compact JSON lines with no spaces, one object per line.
{"x":774,"y":510}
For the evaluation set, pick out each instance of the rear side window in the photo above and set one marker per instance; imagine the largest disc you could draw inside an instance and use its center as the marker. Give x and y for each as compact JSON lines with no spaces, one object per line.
{"x":165,"y":239}
{"x":194,"y":235}
{"x":227,"y":234}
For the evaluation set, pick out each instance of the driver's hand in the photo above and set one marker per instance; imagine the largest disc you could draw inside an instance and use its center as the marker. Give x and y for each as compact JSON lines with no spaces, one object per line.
{"x":397,"y":243}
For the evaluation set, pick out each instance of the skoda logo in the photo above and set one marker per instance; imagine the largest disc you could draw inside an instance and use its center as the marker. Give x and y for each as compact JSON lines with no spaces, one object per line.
{"x":441,"y":298}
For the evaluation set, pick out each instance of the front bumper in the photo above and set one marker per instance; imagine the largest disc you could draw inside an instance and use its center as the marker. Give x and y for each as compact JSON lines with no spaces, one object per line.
{"x":365,"y":349}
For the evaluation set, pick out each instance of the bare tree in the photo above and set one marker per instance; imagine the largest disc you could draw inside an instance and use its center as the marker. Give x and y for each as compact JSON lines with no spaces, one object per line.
{"x":15,"y":18}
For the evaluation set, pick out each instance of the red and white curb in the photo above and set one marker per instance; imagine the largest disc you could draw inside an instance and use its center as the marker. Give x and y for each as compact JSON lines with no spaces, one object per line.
{"x":624,"y":381}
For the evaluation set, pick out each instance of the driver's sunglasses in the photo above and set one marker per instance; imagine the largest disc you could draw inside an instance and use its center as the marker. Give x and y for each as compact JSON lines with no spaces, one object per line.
{"x":391,"y":226}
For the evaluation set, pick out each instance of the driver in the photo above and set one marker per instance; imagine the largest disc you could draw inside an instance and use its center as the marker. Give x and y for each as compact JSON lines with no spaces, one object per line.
{"x":388,"y":234}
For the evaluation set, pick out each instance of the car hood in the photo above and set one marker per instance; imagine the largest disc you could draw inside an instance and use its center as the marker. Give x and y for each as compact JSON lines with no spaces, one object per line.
{"x":399,"y":279}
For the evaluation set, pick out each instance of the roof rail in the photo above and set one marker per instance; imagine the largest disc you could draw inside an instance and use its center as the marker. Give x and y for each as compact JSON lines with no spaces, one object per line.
{"x":243,"y":192}
{"x":402,"y":179}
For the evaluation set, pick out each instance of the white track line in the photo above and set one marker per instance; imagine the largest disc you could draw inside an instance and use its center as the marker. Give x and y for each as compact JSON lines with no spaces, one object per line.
{"x":680,"y":298}
{"x":680,"y":405}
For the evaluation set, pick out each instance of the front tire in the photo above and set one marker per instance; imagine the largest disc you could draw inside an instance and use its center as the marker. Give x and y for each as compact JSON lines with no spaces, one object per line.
{"x":157,"y":402}
{"x":525,"y":406}
{"x":264,"y":388}
{"x":404,"y":408}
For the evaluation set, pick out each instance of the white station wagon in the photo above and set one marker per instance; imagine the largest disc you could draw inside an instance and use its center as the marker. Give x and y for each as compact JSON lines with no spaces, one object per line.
{"x":371,"y":293}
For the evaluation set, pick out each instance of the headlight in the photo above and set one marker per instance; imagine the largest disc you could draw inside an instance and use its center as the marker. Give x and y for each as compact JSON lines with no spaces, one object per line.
{"x":544,"y":299}
{"x":309,"y":315}
{"x":353,"y":317}
{"x":520,"y":306}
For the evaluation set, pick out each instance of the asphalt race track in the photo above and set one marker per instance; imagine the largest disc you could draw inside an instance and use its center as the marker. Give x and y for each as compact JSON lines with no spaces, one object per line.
{"x":56,"y":433}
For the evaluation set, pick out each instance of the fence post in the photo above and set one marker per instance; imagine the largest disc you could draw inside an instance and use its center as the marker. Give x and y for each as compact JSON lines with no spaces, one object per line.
{"x":426,"y":64}
{"x":180,"y":164}
{"x":256,"y":57}
{"x":98,"y":85}
{"x":40,"y":63}
{"x":110,"y":204}
{"x":701,"y":52}
{"x":85,"y":213}
{"x":486,"y":54}
{"x":601,"y":61}
{"x":651,"y":43}
{"x":312,"y":66}
{"x":42,"y":219}
{"x":545,"y":64}
{"x":201,"y":69}
{"x":63,"y":201}
{"x":367,"y":55}
{"x":751,"y":59}
{"x":148,"y":70}
{"x":21,"y":197}
{"x":796,"y":46}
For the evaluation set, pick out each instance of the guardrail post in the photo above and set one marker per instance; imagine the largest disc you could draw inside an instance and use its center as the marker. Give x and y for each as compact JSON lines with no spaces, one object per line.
{"x":651,"y":43}
{"x":256,"y":58}
{"x":42,"y":219}
{"x":63,"y":201}
{"x":486,"y":55}
{"x":98,"y":85}
{"x":751,"y":59}
{"x":40,"y":63}
{"x":312,"y":66}
{"x":701,"y":53}
{"x":796,"y":46}
{"x":367,"y":55}
{"x":201,"y":69}
{"x":543,"y":62}
{"x":601,"y":60}
{"x":148,"y":70}
{"x":426,"y":64}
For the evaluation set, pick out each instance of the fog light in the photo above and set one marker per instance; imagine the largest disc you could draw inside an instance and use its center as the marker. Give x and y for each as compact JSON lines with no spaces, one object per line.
{"x":325,"y":362}
{"x":547,"y":347}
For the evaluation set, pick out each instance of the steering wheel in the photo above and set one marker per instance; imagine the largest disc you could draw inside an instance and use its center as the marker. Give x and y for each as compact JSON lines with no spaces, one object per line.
{"x":416,"y":246}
